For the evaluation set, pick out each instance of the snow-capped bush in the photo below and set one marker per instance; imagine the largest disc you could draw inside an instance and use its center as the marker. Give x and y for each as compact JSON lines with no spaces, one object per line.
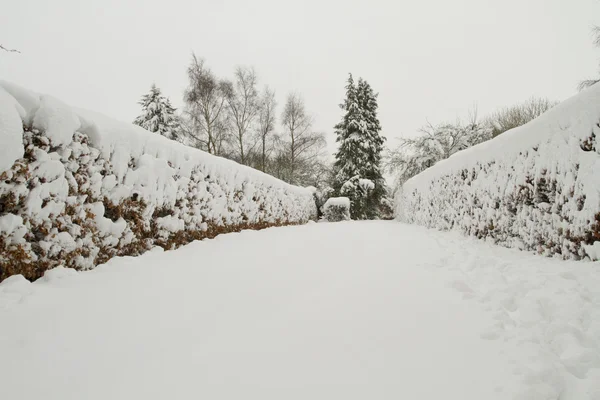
{"x":535,"y":187}
{"x":337,"y":209}
{"x":77,"y":188}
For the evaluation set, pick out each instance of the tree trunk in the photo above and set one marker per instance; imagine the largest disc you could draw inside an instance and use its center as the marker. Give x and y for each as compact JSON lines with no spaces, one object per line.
{"x":264,"y":156}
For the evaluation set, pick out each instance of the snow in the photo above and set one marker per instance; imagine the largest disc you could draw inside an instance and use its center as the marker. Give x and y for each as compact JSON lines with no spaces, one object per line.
{"x":10,"y":222}
{"x":56,"y":120}
{"x":27,"y":100}
{"x":13,"y":226}
{"x":116,"y":140}
{"x":569,"y":121}
{"x":11,"y":130}
{"x":410,"y":313}
{"x":366,"y":184}
{"x":534,"y":187}
{"x":336,"y":209}
{"x":171,"y":224}
{"x":338,"y":202}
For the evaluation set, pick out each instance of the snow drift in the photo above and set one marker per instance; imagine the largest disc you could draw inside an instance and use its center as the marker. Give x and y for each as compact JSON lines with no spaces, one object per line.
{"x":536,"y":187}
{"x":77,"y":188}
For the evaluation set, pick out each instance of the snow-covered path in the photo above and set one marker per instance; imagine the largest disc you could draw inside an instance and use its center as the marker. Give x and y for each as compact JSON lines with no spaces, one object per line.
{"x":369,"y":310}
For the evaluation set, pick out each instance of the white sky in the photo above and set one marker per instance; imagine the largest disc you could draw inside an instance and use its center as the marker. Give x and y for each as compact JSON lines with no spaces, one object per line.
{"x":428,"y":59}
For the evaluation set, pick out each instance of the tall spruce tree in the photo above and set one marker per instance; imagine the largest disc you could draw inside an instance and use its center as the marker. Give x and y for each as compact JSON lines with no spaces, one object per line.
{"x":358,"y":159}
{"x":158,"y":115}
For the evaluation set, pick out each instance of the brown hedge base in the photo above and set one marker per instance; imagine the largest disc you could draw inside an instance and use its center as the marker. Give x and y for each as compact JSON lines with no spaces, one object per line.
{"x":30,"y":256}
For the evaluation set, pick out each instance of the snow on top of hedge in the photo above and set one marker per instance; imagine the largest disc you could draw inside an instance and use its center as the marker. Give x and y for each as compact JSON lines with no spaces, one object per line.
{"x":118,"y":141}
{"x":11,"y":130}
{"x":571,"y":120}
{"x":558,"y":134}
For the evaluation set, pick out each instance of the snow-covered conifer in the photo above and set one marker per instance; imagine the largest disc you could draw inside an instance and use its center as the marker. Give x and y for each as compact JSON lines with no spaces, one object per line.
{"x":158,"y":115}
{"x":358,"y":158}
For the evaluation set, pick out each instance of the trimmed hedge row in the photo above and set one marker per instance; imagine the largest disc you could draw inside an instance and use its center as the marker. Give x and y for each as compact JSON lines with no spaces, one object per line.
{"x":79,"y":202}
{"x":536,"y":187}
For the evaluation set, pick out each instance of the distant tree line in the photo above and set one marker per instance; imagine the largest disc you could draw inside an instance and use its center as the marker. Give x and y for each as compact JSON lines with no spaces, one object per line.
{"x":237,"y":120}
{"x":233,"y":118}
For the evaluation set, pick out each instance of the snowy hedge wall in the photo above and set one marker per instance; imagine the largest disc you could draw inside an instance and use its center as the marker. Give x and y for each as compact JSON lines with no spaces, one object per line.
{"x":536,"y":187}
{"x":77,"y":188}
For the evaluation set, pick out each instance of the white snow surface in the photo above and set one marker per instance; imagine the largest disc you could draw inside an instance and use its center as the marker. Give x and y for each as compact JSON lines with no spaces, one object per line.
{"x":410,"y":313}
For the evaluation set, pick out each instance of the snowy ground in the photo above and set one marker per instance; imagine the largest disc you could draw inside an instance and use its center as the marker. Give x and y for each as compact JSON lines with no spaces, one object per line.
{"x":373,"y":310}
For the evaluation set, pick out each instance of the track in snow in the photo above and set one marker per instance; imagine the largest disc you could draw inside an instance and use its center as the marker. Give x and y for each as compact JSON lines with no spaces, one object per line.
{"x":358,"y":310}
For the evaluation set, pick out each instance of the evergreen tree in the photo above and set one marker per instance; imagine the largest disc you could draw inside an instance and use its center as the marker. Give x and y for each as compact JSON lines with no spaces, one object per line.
{"x":358,"y":159}
{"x":158,"y":115}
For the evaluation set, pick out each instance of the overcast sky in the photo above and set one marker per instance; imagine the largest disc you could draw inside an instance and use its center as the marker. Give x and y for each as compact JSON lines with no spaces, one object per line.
{"x":428,"y":59}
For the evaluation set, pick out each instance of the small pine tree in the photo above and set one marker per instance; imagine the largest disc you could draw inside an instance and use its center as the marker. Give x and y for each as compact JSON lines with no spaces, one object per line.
{"x":358,"y":159}
{"x":158,"y":115}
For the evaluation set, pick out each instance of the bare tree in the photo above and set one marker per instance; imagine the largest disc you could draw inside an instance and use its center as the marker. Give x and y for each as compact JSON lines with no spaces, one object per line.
{"x":243,"y":106}
{"x":590,"y":82}
{"x":302,"y":145}
{"x":205,"y":100}
{"x":518,"y":115}
{"x":435,"y":143}
{"x":266,"y":124}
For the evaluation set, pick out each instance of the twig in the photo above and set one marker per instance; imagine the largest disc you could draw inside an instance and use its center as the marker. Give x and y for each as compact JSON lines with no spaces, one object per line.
{"x":9,"y":50}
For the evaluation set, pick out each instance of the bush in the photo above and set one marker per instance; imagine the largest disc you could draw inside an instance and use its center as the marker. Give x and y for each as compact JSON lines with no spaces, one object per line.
{"x":337,"y":209}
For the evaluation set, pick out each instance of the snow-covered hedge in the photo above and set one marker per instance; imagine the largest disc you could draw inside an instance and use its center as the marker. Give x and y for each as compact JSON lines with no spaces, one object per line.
{"x":77,"y":188}
{"x":337,"y":209}
{"x":536,"y":187}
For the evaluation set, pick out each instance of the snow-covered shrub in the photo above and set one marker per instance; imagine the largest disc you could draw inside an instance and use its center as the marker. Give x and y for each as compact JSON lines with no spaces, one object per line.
{"x":337,"y":209}
{"x":535,"y":187}
{"x":77,"y":188}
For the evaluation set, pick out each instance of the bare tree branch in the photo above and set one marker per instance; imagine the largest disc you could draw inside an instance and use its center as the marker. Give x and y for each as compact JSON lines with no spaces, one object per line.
{"x":205,"y":100}
{"x":590,"y":82}
{"x":587,"y":83}
{"x":9,"y":50}
{"x":596,"y":33}
{"x":303,"y":144}
{"x":244,"y":105}
{"x":266,"y":124}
